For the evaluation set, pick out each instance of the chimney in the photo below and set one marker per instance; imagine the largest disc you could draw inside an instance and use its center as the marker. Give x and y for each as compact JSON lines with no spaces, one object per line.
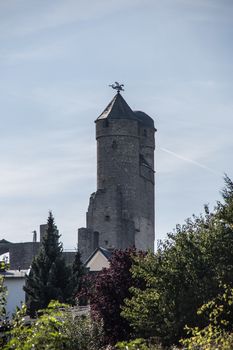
{"x":34,"y":237}
{"x":43,"y":229}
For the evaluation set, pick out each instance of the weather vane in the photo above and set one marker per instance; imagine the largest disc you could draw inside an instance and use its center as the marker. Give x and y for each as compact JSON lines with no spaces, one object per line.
{"x":117,"y":86}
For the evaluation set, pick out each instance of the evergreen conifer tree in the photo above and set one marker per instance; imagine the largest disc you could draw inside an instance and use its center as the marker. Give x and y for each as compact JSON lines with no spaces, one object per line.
{"x":78,"y":271}
{"x":49,"y":276}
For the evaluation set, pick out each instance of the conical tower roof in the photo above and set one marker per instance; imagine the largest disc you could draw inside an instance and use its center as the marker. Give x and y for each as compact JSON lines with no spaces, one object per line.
{"x":117,"y":109}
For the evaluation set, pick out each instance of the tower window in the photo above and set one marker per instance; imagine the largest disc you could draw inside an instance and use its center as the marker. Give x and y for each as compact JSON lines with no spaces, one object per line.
{"x":105,"y":123}
{"x":107,"y":218}
{"x":145,"y":132}
{"x":114,"y":144}
{"x":96,"y":239}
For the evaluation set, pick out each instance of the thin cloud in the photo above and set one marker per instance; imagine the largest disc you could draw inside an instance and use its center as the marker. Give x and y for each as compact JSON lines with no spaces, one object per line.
{"x":34,"y":53}
{"x":200,"y":165}
{"x":53,"y":15}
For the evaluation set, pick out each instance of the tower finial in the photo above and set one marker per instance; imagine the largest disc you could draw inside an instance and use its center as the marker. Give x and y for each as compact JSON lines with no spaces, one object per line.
{"x":117,"y":86}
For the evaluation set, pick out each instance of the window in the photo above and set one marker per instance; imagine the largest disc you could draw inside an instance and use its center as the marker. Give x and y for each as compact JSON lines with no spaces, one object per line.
{"x":107,"y":218}
{"x":114,"y":144}
{"x":96,"y":239}
{"x":105,"y":123}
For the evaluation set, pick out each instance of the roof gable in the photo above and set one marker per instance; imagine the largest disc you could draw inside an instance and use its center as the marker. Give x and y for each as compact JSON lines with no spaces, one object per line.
{"x":117,"y":109}
{"x":99,"y":259}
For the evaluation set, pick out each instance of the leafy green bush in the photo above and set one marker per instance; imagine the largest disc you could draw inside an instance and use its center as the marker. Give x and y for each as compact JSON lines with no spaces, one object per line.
{"x":83,"y":333}
{"x":215,"y":336}
{"x":141,"y":344}
{"x":4,"y":324}
{"x":137,"y":344}
{"x":55,"y":328}
{"x":4,"y":265}
{"x":3,"y":293}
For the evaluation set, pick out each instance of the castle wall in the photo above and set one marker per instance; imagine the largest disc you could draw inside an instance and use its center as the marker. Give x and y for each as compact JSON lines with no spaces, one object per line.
{"x":85,"y":242}
{"x":21,"y":254}
{"x":103,"y":216}
{"x":144,"y":237}
{"x":117,"y":154}
{"x":117,"y":173}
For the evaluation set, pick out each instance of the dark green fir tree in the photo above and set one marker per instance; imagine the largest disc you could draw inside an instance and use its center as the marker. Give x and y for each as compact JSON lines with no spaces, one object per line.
{"x":76,"y":281}
{"x":49,"y":276}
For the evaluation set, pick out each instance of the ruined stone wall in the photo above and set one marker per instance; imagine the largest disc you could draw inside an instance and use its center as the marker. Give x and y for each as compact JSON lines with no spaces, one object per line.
{"x":103,"y":216}
{"x":85,"y":242}
{"x":21,"y":254}
{"x":144,"y":238}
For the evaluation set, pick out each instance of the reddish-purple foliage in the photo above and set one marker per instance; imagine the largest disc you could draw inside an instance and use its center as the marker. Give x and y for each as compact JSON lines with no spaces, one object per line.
{"x":109,"y":289}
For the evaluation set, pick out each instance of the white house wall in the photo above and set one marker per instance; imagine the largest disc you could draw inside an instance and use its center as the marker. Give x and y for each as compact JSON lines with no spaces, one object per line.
{"x":98,"y":262}
{"x":14,"y":282}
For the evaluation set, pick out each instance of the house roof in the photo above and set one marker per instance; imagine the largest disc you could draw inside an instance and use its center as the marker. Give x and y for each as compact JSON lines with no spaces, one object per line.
{"x":145,"y":119}
{"x":106,"y":253}
{"x":117,"y":109}
{"x":4,"y":241}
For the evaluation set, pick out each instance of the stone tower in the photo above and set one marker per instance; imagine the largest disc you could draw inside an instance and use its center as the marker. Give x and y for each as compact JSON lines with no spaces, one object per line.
{"x":121,"y":211}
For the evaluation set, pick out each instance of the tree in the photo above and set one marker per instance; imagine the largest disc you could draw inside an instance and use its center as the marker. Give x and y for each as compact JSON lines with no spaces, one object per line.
{"x":184,"y":274}
{"x":107,"y":294}
{"x":49,"y":276}
{"x":215,"y":335}
{"x":78,"y":271}
{"x":225,"y":210}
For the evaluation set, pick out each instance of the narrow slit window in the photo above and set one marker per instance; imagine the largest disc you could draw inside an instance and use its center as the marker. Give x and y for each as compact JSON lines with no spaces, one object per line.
{"x":114,"y":144}
{"x":96,"y":239}
{"x":107,"y":218}
{"x":105,"y":124}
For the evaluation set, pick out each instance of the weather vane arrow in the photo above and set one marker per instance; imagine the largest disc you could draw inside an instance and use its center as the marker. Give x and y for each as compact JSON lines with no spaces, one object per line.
{"x":117,"y":86}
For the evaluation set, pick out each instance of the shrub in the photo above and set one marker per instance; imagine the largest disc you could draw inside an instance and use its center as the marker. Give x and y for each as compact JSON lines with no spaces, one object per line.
{"x":55,"y":329}
{"x":215,"y":336}
{"x":141,"y":344}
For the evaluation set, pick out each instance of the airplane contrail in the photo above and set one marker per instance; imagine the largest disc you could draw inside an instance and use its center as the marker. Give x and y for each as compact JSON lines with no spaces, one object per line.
{"x":190,"y":161}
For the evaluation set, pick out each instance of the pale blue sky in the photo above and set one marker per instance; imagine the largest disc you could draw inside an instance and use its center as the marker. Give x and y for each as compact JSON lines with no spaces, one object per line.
{"x":57,"y":58}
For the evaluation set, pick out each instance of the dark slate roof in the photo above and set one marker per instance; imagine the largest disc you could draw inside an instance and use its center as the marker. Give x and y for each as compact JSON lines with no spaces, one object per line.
{"x":4,"y":241}
{"x":117,"y":109}
{"x":107,"y":253}
{"x":144,"y":119}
